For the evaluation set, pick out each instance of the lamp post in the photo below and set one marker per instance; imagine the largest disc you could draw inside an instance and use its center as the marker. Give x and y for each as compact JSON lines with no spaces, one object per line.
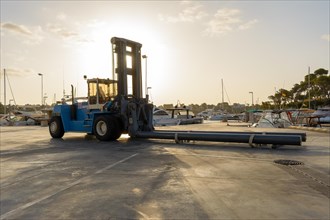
{"x":146,"y":82}
{"x":252,"y":98}
{"x":148,"y":91}
{"x":42,"y":88}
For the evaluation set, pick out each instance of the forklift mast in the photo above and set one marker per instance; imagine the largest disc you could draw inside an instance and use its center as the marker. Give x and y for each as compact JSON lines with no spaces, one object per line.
{"x":135,"y":112}
{"x":126,"y":62}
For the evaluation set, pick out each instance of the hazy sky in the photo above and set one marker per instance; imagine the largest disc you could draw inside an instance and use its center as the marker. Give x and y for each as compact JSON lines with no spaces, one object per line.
{"x":254,"y":46}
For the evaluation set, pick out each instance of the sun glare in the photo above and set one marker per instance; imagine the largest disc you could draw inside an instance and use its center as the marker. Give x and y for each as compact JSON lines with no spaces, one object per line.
{"x":94,"y":58}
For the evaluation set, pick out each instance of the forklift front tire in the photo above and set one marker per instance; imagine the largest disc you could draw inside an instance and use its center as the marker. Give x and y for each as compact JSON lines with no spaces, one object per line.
{"x":56,"y":129}
{"x":106,"y":128}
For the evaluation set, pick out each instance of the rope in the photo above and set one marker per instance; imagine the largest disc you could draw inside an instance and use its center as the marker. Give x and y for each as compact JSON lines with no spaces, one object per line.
{"x":176,"y":138}
{"x":251,"y":140}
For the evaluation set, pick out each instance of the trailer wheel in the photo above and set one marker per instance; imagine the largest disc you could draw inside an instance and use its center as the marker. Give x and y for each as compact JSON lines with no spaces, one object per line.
{"x":106,"y":128}
{"x":56,"y":129}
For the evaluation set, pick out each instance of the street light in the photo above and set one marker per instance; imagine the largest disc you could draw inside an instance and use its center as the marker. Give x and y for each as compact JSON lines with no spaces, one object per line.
{"x":252,"y":97}
{"x":42,"y":88}
{"x":148,"y":91}
{"x":146,"y":82}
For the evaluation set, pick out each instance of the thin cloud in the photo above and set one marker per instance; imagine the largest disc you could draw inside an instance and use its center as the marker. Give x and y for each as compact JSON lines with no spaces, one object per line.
{"x":84,"y":40}
{"x":95,"y":23}
{"x":31,"y":35}
{"x":223,"y":21}
{"x":66,"y":33}
{"x":248,"y":24}
{"x":227,"y":20}
{"x":18,"y":72}
{"x":15,"y":28}
{"x":326,"y":37}
{"x":61,"y":17}
{"x":192,"y":12}
{"x":61,"y":31}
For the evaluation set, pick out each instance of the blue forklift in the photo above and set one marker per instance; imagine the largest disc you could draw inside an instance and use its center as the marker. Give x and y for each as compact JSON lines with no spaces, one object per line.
{"x":109,"y":109}
{"x":116,"y":106}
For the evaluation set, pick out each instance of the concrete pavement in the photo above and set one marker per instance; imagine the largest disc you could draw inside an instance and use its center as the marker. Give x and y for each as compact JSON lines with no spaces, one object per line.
{"x":78,"y":177}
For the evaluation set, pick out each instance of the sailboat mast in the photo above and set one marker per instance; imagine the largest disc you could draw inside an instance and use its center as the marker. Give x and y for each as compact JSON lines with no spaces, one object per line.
{"x":4,"y":90}
{"x":222,"y":93}
{"x":309,"y":88}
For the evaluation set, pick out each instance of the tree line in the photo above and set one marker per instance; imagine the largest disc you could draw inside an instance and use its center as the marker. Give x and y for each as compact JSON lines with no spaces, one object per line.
{"x":313,"y":91}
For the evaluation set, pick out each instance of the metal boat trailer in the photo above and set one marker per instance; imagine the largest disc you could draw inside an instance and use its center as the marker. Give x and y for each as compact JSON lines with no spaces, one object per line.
{"x":254,"y":139}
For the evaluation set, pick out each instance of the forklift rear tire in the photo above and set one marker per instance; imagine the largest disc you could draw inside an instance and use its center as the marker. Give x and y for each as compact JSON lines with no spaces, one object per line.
{"x":106,"y":128}
{"x":56,"y":129}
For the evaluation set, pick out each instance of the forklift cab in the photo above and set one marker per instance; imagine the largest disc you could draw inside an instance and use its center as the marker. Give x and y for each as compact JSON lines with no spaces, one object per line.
{"x":101,"y":91}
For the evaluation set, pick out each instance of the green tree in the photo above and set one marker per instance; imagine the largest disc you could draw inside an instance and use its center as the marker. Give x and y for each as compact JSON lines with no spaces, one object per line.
{"x":2,"y":108}
{"x":317,"y":84}
{"x":321,"y":72}
{"x":266,"y":105}
{"x":323,"y":83}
